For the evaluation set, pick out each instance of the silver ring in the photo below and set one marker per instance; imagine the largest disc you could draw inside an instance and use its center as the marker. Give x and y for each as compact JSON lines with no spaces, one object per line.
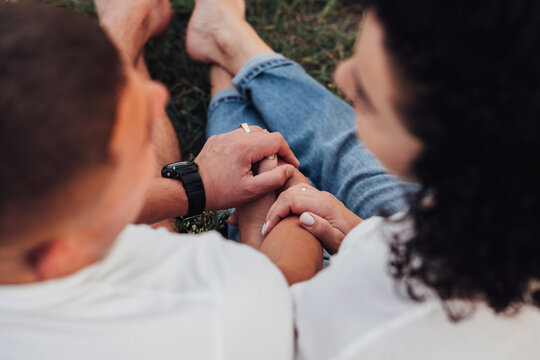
{"x":246,"y":128}
{"x":303,"y":189}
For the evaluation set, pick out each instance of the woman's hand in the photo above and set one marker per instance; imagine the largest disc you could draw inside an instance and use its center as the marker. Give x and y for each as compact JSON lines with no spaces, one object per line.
{"x":322,"y":214}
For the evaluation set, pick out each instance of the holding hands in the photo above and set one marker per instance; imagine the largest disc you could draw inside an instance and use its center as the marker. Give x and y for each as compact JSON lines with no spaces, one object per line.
{"x":321,"y":213}
{"x":239,"y":169}
{"x":226,"y":166}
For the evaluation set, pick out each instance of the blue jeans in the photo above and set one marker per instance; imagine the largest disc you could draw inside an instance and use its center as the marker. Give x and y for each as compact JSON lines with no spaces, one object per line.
{"x":275,"y":93}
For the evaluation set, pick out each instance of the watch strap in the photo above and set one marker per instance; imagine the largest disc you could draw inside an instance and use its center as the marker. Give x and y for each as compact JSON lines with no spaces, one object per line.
{"x":188,"y":174}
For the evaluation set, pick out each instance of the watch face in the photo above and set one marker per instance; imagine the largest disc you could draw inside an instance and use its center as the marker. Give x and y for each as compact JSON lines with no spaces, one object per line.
{"x":179,"y":164}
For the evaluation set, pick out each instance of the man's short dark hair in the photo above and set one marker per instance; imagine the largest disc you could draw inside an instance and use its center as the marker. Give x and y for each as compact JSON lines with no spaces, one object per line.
{"x":60,"y":84}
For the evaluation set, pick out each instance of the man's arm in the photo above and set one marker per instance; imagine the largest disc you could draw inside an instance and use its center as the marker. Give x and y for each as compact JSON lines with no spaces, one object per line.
{"x":225,"y":165}
{"x":165,"y":199}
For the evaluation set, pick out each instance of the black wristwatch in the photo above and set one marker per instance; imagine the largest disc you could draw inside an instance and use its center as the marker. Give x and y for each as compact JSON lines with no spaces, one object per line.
{"x":188,"y":173}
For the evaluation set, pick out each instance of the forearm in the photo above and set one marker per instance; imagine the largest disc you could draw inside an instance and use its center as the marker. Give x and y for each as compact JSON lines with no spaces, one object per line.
{"x":165,"y":199}
{"x":297,"y":253}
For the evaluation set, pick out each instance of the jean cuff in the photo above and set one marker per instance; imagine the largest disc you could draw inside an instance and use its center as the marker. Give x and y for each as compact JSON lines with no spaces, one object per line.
{"x":223,"y":96}
{"x":255,"y":66}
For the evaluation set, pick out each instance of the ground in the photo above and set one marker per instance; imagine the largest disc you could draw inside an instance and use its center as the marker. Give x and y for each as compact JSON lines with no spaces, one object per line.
{"x":315,"y":33}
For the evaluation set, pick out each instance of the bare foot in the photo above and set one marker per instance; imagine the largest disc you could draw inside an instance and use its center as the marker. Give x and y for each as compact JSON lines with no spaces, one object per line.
{"x":205,"y":27}
{"x":242,"y":7}
{"x":132,"y":23}
{"x":218,"y":33}
{"x":154,"y":15}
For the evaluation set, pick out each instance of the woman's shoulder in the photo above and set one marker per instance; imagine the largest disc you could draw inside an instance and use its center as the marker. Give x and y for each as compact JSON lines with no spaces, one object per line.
{"x":354,"y":297}
{"x":377,"y":229}
{"x":356,"y":309}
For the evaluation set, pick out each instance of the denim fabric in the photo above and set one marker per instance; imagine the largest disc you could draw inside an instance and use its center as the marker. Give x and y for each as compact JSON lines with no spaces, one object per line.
{"x":275,"y":93}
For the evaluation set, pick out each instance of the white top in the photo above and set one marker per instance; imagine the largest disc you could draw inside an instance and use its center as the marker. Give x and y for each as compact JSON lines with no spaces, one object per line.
{"x":156,"y":295}
{"x":352,"y":310}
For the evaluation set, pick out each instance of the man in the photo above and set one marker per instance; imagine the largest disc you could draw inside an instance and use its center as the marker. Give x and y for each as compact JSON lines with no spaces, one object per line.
{"x":78,"y":165}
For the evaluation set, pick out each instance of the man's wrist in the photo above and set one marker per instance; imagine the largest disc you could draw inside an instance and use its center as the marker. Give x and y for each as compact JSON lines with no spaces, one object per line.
{"x":178,"y":200}
{"x":188,"y":173}
{"x":208,"y":185}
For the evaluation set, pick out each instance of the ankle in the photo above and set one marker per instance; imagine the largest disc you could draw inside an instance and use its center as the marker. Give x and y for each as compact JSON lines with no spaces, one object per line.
{"x":126,"y":46}
{"x":239,"y":46}
{"x":220,"y":80}
{"x":129,"y":33}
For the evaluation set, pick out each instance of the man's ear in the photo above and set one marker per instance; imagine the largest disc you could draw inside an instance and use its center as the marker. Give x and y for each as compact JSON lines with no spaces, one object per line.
{"x":56,"y":258}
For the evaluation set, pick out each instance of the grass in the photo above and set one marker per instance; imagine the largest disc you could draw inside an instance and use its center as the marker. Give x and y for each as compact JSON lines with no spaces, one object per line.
{"x":316,"y":33}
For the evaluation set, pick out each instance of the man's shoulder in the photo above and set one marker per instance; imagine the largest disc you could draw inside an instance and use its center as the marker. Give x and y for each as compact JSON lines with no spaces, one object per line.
{"x":248,"y":292}
{"x":198,"y":294}
{"x":144,"y":256}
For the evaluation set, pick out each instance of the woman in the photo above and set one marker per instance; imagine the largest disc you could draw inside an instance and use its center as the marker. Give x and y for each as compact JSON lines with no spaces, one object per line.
{"x":445,"y":94}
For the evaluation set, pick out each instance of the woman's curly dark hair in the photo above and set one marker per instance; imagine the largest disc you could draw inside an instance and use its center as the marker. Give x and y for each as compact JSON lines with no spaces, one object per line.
{"x":471,"y":74}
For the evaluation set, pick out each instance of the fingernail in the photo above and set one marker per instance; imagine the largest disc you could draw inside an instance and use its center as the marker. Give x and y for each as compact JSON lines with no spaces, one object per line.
{"x":271,"y":157}
{"x":307,"y":219}
{"x":289,"y":171}
{"x":264,"y":228}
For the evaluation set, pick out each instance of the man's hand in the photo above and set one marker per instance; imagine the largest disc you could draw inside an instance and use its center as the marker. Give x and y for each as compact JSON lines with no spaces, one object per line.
{"x":226,"y":163}
{"x":296,"y":178}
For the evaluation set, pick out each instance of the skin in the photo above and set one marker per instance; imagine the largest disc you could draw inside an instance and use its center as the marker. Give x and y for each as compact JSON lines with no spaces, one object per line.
{"x":87,"y":235}
{"x":105,"y":199}
{"x":379,"y":125}
{"x":367,"y":78}
{"x":230,"y":43}
{"x":219,"y":34}
{"x":369,"y":81}
{"x":223,"y":166}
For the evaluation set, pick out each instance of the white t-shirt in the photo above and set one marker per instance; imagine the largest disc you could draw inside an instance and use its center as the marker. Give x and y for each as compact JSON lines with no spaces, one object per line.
{"x":156,"y":295}
{"x":352,"y":310}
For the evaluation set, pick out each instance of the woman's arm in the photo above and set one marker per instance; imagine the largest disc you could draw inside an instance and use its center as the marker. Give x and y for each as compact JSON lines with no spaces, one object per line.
{"x":296,"y":252}
{"x":321,"y":213}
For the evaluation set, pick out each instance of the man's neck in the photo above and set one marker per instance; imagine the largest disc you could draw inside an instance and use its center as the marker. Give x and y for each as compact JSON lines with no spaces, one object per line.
{"x":16,"y":270}
{"x":51,"y":260}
